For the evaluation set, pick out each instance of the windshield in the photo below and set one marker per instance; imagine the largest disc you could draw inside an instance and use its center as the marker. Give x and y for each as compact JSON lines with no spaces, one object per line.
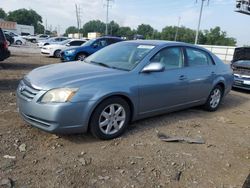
{"x":88,"y":43}
{"x":122,"y":55}
{"x":65,"y":42}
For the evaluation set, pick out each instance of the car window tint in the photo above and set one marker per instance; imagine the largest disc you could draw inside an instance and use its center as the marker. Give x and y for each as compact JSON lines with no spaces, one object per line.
{"x":171,"y":58}
{"x":197,"y":58}
{"x":76,"y":43}
{"x":102,"y":43}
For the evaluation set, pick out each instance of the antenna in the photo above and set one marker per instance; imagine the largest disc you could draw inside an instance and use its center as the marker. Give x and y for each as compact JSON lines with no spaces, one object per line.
{"x":107,"y":5}
{"x":199,"y":23}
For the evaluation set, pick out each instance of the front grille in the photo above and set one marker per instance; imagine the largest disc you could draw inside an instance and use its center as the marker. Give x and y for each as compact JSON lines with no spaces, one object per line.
{"x":27,"y":91}
{"x":242,"y":71}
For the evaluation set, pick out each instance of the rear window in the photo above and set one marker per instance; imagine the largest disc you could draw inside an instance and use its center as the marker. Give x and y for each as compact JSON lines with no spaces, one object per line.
{"x":241,"y":54}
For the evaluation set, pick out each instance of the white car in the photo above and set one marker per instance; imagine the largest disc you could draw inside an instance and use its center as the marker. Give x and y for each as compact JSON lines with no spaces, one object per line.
{"x":53,"y":40}
{"x":54,"y":50}
{"x":18,"y":40}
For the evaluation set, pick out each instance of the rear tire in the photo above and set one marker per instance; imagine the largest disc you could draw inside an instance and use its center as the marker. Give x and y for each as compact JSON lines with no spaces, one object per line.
{"x":110,"y":119}
{"x":214,"y":99}
{"x":57,"y":53}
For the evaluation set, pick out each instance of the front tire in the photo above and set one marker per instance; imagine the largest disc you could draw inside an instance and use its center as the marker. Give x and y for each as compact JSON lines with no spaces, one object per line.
{"x":214,"y":99}
{"x":80,"y":57}
{"x":110,"y":119}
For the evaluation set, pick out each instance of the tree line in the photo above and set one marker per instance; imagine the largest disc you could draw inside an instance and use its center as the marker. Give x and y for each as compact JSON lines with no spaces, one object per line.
{"x":213,"y":36}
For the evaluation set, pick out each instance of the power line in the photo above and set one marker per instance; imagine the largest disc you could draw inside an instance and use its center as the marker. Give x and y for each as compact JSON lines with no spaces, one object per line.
{"x":107,"y":5}
{"x":199,"y":23}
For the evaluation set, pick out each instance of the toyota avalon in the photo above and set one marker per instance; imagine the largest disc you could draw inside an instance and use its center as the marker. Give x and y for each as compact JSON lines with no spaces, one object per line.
{"x":123,"y":82}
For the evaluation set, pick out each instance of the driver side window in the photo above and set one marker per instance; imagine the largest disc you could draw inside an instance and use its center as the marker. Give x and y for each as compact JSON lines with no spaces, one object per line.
{"x":171,"y":58}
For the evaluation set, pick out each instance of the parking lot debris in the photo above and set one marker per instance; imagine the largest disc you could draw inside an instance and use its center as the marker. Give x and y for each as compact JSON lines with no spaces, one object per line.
{"x":9,"y":157}
{"x":7,"y":182}
{"x":85,"y":161}
{"x":166,"y":138}
{"x":103,"y":178}
{"x":177,"y":176}
{"x":22,"y":148}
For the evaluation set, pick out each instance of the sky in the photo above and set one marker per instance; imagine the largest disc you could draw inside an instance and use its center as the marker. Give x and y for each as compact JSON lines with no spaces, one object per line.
{"x":157,"y":13}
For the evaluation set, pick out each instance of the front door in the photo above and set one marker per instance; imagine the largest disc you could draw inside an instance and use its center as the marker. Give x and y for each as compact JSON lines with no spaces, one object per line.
{"x":164,"y":90}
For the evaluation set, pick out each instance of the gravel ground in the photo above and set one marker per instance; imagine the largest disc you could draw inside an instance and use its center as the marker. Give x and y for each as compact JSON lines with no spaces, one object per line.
{"x":32,"y":158}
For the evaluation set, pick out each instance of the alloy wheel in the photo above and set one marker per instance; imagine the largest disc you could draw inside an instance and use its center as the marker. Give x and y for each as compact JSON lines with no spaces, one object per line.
{"x":112,"y":119}
{"x":215,"y":98}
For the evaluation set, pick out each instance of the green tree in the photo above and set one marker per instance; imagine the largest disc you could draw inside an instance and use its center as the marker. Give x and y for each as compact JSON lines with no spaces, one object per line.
{"x":113,"y":28}
{"x":94,"y":26}
{"x":126,"y":32}
{"x":71,"y":29}
{"x":2,"y":14}
{"x":145,"y":30}
{"x":215,"y":36}
{"x":26,"y":17}
{"x":40,"y":28}
{"x":184,"y":34}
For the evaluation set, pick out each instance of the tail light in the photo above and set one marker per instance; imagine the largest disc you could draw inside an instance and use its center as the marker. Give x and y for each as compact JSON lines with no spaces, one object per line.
{"x":5,"y":44}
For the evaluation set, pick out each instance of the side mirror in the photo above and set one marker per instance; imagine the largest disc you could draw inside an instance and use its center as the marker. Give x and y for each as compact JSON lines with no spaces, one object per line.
{"x":153,"y":67}
{"x":95,"y":45}
{"x":67,"y":44}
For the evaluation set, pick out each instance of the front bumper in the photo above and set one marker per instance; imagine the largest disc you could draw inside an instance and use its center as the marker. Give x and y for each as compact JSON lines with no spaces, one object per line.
{"x":241,"y":81}
{"x":61,"y":118}
{"x":66,"y":58}
{"x":5,"y":55}
{"x":46,"y":52}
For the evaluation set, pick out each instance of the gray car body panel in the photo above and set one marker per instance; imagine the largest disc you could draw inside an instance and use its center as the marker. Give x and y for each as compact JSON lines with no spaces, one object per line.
{"x":147,"y":93}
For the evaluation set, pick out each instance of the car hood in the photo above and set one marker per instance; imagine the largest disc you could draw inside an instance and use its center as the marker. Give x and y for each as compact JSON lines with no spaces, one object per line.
{"x":242,"y":64}
{"x":67,"y":75}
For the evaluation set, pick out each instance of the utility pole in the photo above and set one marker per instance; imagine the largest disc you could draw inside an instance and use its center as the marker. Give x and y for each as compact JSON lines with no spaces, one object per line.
{"x":78,"y":18}
{"x":199,"y":23}
{"x":177,"y":30}
{"x":107,"y":5}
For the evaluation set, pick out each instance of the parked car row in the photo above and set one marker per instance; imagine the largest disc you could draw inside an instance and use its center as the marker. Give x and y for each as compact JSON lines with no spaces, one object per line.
{"x":54,"y":50}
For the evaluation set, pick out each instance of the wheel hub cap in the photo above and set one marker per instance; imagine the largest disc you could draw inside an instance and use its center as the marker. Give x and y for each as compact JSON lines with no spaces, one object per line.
{"x":112,"y":119}
{"x":215,"y":98}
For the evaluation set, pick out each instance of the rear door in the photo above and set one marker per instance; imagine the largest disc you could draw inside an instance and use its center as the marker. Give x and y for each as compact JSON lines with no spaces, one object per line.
{"x":200,"y":72}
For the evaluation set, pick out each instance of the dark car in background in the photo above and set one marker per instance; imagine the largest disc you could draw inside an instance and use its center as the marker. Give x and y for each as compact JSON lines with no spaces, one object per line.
{"x":241,"y":68}
{"x":88,"y":48}
{"x":4,"y":52}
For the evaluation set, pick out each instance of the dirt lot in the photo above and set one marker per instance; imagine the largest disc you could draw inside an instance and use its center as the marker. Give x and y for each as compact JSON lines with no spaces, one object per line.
{"x":137,"y":159}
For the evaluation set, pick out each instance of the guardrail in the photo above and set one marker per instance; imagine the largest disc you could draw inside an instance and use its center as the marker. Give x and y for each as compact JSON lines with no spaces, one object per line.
{"x":225,"y":53}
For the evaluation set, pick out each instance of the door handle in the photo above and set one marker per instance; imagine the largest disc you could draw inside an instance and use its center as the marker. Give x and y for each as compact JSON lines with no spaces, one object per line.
{"x":212,"y":73}
{"x":183,"y":77}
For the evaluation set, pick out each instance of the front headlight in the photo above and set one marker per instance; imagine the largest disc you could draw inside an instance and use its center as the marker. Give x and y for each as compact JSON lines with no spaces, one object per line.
{"x":59,"y":95}
{"x":70,"y":51}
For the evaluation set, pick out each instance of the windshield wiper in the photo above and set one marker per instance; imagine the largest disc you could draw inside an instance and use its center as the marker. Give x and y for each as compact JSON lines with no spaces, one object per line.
{"x":101,"y":64}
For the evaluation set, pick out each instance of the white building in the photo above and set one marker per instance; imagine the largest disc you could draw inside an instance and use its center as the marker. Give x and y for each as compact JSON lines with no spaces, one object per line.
{"x":17,"y":28}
